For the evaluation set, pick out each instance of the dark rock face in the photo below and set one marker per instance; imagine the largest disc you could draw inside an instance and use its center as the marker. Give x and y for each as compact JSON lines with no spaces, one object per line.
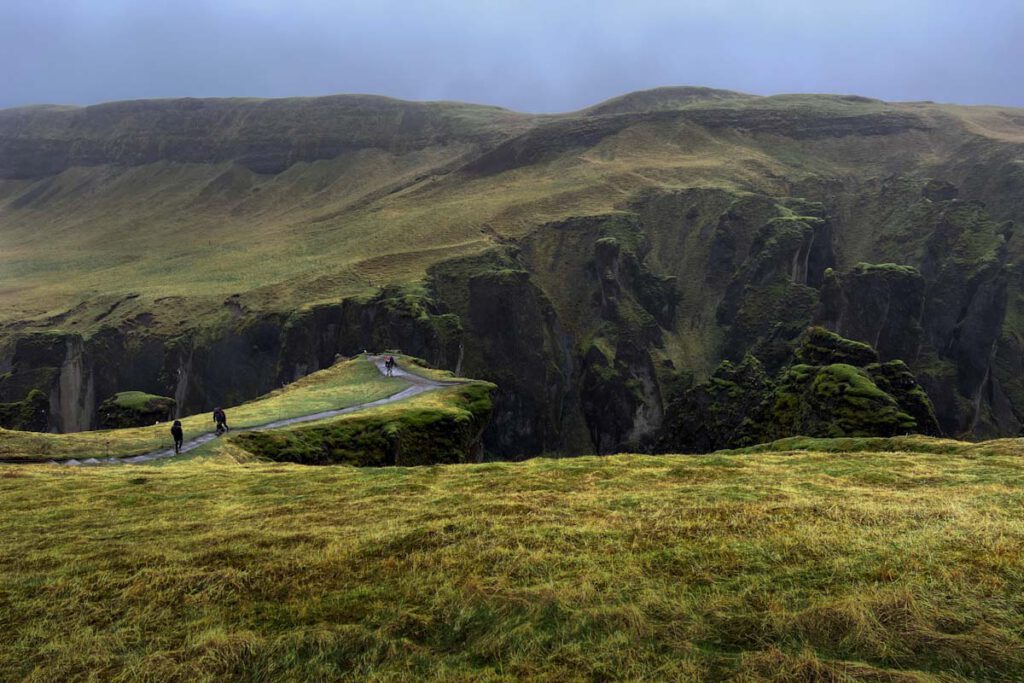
{"x":726,"y":411}
{"x":392,"y":319}
{"x":513,"y":338}
{"x":942,"y":311}
{"x":879,"y":304}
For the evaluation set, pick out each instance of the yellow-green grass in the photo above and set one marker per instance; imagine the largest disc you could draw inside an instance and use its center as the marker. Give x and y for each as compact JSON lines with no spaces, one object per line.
{"x":344,"y":384}
{"x":793,"y":566}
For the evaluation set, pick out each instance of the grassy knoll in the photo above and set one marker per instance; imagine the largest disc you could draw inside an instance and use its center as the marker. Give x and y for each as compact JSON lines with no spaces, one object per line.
{"x":791,"y":566}
{"x":344,"y":384}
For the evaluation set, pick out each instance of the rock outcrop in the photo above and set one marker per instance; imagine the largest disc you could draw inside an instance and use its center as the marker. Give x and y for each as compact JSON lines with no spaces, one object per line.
{"x":832,"y":387}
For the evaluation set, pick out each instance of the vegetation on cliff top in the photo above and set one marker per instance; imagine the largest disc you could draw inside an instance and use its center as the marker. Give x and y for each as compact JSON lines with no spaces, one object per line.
{"x":442,"y":426}
{"x":799,"y":565}
{"x":343,"y":384}
{"x":135,"y":409}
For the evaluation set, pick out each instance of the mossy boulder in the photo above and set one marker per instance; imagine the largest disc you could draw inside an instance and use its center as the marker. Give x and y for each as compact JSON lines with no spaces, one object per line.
{"x":135,"y":409}
{"x":833,"y":400}
{"x":896,"y":379}
{"x":818,"y":346}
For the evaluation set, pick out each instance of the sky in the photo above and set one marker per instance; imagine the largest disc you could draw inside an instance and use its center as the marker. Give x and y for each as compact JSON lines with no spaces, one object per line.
{"x":528,"y":55}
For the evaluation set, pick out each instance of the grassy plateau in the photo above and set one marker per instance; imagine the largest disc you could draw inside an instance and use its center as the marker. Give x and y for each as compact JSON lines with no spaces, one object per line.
{"x":797,"y":565}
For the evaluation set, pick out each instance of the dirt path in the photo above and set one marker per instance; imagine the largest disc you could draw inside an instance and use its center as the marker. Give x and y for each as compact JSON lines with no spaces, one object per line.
{"x":417,"y":385}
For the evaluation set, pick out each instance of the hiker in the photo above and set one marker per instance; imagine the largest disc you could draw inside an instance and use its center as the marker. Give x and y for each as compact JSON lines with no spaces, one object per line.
{"x":179,"y":436}
{"x":221,"y":418}
{"x":389,"y":364}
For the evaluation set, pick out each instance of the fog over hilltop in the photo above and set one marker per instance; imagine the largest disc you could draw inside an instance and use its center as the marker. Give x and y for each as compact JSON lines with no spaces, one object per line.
{"x":530,"y":55}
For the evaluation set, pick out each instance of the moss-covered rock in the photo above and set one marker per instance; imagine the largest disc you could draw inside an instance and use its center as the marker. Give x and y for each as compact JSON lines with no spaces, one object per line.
{"x":818,"y":346}
{"x":28,"y":414}
{"x":896,"y":379}
{"x":833,"y":400}
{"x":135,"y":409}
{"x":832,"y":387}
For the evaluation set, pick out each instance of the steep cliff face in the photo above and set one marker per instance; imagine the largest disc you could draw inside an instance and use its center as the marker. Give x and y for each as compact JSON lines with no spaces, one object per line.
{"x":583,"y":337}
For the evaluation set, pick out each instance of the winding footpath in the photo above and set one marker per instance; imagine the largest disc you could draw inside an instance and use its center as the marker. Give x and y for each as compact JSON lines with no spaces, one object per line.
{"x":417,"y":385}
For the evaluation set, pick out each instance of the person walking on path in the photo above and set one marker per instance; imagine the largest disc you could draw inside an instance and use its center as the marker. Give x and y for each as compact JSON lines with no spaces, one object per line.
{"x":389,"y":365}
{"x":179,"y":436}
{"x":221,"y":418}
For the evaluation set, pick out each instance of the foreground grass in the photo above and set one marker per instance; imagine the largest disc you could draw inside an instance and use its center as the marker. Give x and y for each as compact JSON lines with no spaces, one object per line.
{"x":344,"y":384}
{"x":795,"y":566}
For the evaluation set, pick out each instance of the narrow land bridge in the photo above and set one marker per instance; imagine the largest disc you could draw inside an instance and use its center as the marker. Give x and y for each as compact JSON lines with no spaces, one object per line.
{"x":417,"y":385}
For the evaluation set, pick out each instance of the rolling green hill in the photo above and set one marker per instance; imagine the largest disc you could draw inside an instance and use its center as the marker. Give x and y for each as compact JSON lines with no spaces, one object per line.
{"x":597,"y":265}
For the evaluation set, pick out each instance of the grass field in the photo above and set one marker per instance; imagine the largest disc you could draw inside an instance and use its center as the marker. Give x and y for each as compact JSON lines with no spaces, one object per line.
{"x":343,"y":384}
{"x":791,"y":566}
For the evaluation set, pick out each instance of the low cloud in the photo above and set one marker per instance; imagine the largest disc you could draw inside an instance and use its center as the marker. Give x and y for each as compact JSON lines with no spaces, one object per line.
{"x":526,"y":54}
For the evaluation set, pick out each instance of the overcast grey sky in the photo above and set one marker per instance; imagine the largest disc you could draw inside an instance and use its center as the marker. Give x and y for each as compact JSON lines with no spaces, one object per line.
{"x":530,"y":55}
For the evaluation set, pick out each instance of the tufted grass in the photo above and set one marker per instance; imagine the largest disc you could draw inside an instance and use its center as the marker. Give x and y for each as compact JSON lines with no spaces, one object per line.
{"x":791,"y":566}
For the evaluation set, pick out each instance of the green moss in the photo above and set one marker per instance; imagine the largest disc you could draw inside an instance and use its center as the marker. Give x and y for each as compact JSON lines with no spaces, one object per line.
{"x":135,"y":409}
{"x":816,"y":396}
{"x":28,"y":414}
{"x":834,"y":400}
{"x":894,"y":268}
{"x":137,"y":400}
{"x":819,"y":346}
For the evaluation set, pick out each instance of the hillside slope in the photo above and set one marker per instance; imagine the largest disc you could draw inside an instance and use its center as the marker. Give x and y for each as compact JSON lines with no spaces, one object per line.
{"x":797,"y":566}
{"x":595,"y":265}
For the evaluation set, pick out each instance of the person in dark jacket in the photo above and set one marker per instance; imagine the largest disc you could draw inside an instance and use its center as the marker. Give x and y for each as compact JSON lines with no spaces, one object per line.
{"x":179,"y":436}
{"x":221,"y":418}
